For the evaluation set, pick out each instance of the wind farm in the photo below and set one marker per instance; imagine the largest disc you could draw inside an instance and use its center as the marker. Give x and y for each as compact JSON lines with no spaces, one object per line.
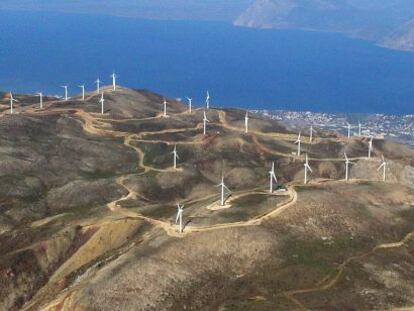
{"x":107,"y":190}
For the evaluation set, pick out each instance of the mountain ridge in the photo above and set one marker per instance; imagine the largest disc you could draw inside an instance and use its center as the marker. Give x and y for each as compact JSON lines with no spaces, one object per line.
{"x":88,"y":210}
{"x":389,"y":25}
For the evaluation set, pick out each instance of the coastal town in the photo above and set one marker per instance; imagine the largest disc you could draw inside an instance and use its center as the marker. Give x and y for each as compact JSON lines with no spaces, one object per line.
{"x":394,"y":127}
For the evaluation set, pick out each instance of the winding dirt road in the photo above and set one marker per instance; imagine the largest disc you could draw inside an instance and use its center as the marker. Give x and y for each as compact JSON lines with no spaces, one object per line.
{"x":92,"y":124}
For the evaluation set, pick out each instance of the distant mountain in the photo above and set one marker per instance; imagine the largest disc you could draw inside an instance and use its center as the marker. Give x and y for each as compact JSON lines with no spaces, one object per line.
{"x":151,"y":9}
{"x":402,"y":38}
{"x":386,"y":22}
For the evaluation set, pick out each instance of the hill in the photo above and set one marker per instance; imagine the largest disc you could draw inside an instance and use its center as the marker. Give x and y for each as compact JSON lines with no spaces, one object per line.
{"x":88,"y":207}
{"x":384,"y":22}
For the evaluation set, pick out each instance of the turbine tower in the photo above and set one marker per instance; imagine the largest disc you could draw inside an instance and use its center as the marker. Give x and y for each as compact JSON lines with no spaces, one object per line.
{"x":359,"y":128}
{"x":298,"y":142}
{"x":179,"y":218}
{"x":40,"y":94}
{"x":246,"y":122}
{"x":370,"y":146}
{"x":175,"y":155}
{"x":205,"y":120}
{"x":66,"y":91}
{"x":101,"y":101}
{"x":190,"y":105}
{"x":347,"y":163}
{"x":98,"y":86}
{"x":11,"y":102}
{"x":165,"y":107}
{"x":311,"y":134}
{"x":383,"y":166}
{"x":307,"y":167}
{"x":223,"y":189}
{"x":113,"y":76}
{"x":208,"y":100}
{"x":83,"y":91}
{"x":272,"y":177}
{"x":349,"y":131}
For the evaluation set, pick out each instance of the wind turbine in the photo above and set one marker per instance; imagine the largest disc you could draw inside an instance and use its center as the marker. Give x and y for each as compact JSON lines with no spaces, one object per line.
{"x":307,"y":167}
{"x":113,"y":76}
{"x":359,"y":128}
{"x":246,"y":122}
{"x":349,"y":131}
{"x":165,"y":107}
{"x":298,"y":142}
{"x":179,"y":218}
{"x":40,"y":94}
{"x":347,"y":163}
{"x":190,"y":104}
{"x":272,"y":177}
{"x":223,"y":188}
{"x":205,"y":120}
{"x":175,"y":154}
{"x":101,"y":101}
{"x":11,"y":102}
{"x":83,"y":91}
{"x":370,"y":146}
{"x":208,"y":100}
{"x":311,"y":134}
{"x":98,"y":86}
{"x":383,"y":166}
{"x":66,"y":91}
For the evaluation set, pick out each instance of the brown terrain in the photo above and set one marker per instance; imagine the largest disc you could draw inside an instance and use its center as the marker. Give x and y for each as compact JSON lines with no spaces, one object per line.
{"x":88,"y":206}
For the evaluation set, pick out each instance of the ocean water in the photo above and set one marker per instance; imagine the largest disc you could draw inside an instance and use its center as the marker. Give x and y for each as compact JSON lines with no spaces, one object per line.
{"x":250,"y":68}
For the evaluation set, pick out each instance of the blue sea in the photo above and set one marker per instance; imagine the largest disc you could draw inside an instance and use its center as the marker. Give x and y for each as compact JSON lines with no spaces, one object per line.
{"x":249,"y":68}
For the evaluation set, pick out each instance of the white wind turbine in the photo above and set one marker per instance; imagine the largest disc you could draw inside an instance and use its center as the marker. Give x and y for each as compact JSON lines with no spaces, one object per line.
{"x":370,"y":146}
{"x":40,"y":94}
{"x":349,"y":131}
{"x":165,"y":107}
{"x":273,"y":177}
{"x":179,"y":218}
{"x":83,"y":91}
{"x":298,"y":142}
{"x":175,"y":155}
{"x":347,"y":163}
{"x":208,"y":100}
{"x":113,"y":76}
{"x":246,"y":122}
{"x":383,"y":166}
{"x":12,"y":100}
{"x":223,"y":188}
{"x":101,"y":101}
{"x":307,"y":167}
{"x":190,"y":104}
{"x":66,"y":91}
{"x":359,"y":128}
{"x":98,"y":86}
{"x":205,"y":120}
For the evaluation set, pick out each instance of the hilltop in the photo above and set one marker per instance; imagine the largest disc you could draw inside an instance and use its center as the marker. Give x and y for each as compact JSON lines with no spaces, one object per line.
{"x":88,"y":206}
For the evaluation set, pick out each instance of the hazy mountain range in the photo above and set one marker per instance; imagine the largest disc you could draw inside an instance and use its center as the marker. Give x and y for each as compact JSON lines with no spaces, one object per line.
{"x":227,"y":10}
{"x":390,"y":23}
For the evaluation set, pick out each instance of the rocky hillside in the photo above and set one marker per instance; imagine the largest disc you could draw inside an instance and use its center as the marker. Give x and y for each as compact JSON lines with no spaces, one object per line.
{"x":88,"y":211}
{"x":387,"y":23}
